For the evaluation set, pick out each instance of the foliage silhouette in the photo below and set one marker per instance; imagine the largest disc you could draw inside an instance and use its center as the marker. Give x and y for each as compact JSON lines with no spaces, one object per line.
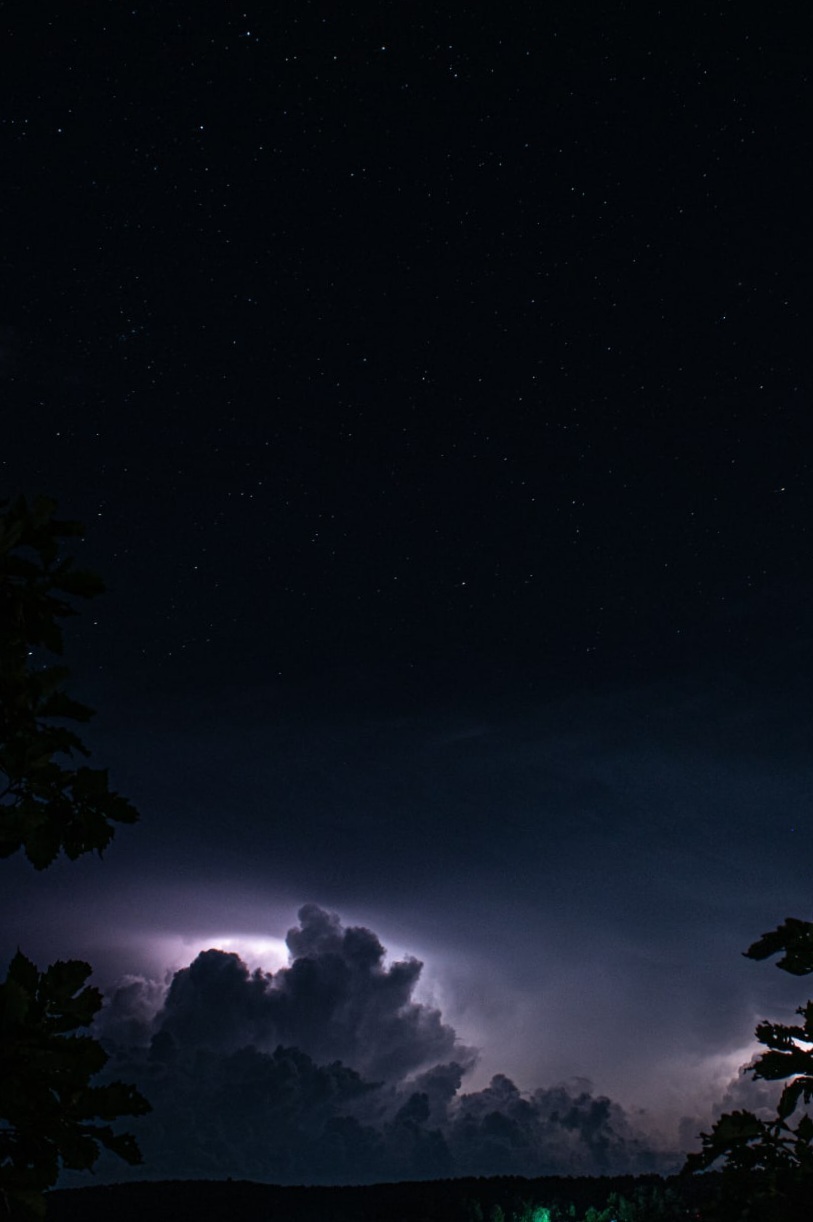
{"x":769,"y":1164}
{"x":47,"y":1102}
{"x":48,"y":1106}
{"x":45,"y":807}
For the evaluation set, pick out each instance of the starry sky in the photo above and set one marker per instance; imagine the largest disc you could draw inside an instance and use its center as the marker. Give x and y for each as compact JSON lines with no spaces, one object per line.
{"x":434,"y":386}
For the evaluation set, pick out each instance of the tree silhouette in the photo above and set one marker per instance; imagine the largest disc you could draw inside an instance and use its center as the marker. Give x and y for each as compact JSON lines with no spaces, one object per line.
{"x":48,"y":1107}
{"x":44,"y":806}
{"x":775,"y":1154}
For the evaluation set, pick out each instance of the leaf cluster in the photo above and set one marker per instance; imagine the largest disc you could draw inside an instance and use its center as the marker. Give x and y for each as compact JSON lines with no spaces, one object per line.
{"x":795,"y":938}
{"x":51,"y":1116}
{"x":45,"y":806}
{"x":776,"y":1154}
{"x":50,"y":1110}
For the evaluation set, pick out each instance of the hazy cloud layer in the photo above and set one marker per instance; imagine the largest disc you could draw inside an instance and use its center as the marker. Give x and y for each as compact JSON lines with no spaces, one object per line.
{"x":329,"y":1071}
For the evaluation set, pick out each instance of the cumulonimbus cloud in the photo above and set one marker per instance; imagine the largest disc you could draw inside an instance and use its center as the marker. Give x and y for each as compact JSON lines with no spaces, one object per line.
{"x":328,"y":1071}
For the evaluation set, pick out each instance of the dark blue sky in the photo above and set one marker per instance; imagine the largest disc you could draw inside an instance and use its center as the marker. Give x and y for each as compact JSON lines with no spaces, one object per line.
{"x":435,"y":393}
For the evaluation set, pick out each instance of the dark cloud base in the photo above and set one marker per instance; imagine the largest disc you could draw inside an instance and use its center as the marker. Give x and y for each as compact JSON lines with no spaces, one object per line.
{"x":328,"y":1072}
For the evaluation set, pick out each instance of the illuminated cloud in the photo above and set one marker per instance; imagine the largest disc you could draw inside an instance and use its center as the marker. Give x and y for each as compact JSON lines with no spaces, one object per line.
{"x":329,"y":1071}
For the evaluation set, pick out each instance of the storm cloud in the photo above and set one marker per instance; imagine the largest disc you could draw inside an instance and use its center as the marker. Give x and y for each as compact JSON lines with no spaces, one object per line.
{"x":328,"y":1071}
{"x":336,"y":1002}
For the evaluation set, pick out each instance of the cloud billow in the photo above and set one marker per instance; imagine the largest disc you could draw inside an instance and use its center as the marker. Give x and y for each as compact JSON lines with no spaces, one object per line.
{"x":336,"y":1002}
{"x":329,"y":1072}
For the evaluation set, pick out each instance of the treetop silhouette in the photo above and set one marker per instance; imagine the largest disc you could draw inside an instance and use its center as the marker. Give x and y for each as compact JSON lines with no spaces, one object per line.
{"x":45,"y":806}
{"x":49,"y":1110}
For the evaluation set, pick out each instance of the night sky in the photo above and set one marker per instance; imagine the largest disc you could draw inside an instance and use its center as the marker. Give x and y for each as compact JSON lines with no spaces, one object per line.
{"x":434,"y":385}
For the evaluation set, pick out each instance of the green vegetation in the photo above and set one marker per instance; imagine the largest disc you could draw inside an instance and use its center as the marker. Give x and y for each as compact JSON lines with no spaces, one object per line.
{"x":645,"y":1204}
{"x":48,"y":1106}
